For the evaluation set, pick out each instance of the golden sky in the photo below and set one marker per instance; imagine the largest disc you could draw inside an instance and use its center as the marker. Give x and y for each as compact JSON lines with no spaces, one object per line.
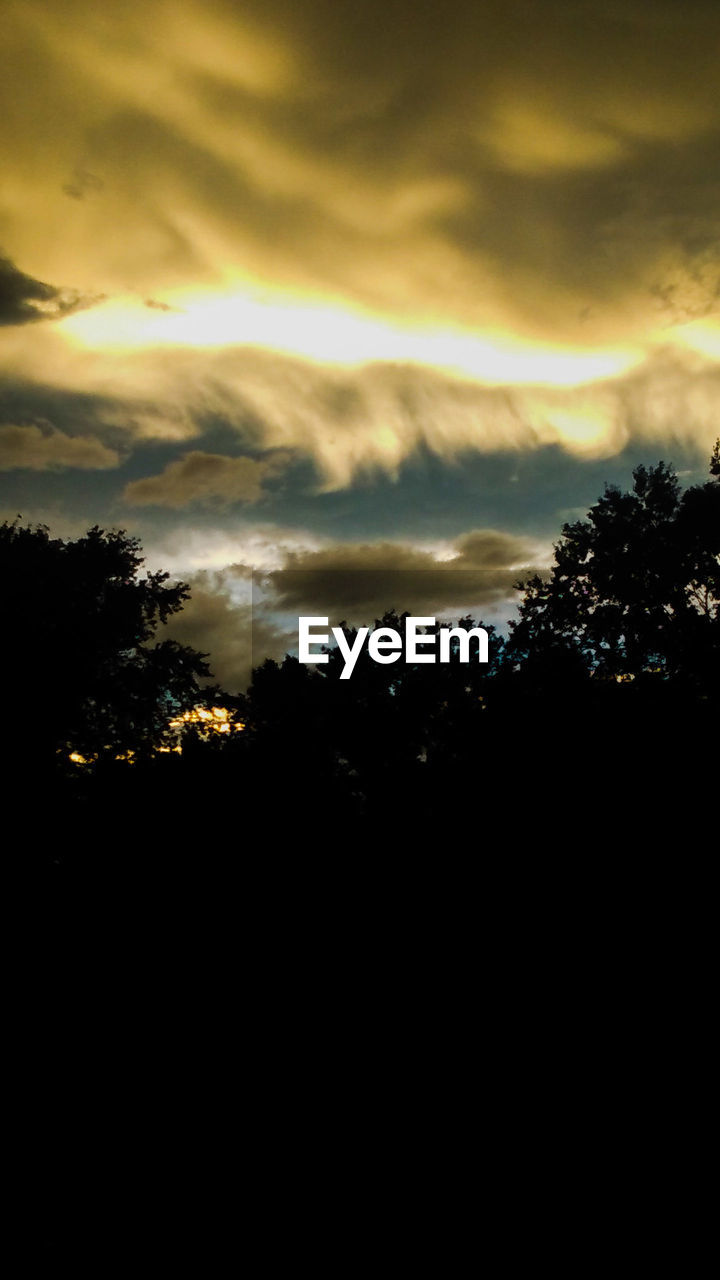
{"x":350,"y":233}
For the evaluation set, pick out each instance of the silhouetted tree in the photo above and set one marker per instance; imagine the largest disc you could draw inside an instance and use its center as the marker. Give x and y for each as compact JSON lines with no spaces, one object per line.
{"x":635,"y":588}
{"x":362,"y":744}
{"x":81,"y":669}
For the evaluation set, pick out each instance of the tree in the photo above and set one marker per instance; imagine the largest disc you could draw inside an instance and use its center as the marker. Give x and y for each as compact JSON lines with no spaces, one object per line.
{"x":82,"y":671}
{"x":635,"y":588}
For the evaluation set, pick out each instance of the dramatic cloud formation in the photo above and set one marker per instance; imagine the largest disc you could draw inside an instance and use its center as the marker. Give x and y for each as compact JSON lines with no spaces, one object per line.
{"x":380,"y":241}
{"x":522,"y":192}
{"x":515,"y":161}
{"x":356,"y":422}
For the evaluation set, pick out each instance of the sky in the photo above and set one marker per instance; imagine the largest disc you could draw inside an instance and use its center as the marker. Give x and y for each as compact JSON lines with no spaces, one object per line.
{"x":300,"y":288}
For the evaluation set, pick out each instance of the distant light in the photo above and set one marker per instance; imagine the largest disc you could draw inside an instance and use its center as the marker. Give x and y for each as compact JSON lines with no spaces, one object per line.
{"x":213,"y":720}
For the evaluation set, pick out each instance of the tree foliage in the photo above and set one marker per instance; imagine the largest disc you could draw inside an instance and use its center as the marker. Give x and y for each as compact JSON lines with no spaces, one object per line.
{"x":635,"y":588}
{"x":83,"y":670}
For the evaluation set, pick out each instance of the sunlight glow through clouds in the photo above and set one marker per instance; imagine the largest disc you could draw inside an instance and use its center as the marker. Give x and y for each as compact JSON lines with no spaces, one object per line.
{"x":339,"y":336}
{"x":701,"y":336}
{"x":285,"y":359}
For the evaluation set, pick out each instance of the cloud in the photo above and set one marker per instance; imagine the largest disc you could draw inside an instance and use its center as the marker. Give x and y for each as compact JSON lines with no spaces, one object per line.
{"x":24,"y":300}
{"x":480,"y":164}
{"x":46,"y":449}
{"x":355,"y":424}
{"x":183,"y":548}
{"x":240,"y":626}
{"x":235,"y":638}
{"x":200,"y":477}
{"x":544,"y":170}
{"x":357,"y":582}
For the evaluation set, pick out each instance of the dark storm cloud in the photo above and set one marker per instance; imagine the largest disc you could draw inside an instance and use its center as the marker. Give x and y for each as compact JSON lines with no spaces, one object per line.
{"x":359,"y":581}
{"x":24,"y":300}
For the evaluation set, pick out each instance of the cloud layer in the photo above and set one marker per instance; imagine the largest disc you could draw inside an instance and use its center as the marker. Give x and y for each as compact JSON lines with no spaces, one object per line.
{"x":200,"y":477}
{"x":37,"y":448}
{"x":512,"y":162}
{"x":539,"y":177}
{"x":311,"y":246}
{"x":357,"y":582}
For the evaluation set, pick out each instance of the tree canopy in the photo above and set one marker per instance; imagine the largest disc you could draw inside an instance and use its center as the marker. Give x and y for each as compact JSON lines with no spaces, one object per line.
{"x":635,"y":588}
{"x":83,"y":671}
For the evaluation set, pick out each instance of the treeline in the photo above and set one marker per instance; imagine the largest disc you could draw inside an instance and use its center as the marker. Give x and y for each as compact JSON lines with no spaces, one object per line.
{"x":594,"y":721}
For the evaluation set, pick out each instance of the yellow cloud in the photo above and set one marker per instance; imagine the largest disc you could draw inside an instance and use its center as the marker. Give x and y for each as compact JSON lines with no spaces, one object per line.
{"x":375,"y":230}
{"x":530,"y":139}
{"x":337,"y":335}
